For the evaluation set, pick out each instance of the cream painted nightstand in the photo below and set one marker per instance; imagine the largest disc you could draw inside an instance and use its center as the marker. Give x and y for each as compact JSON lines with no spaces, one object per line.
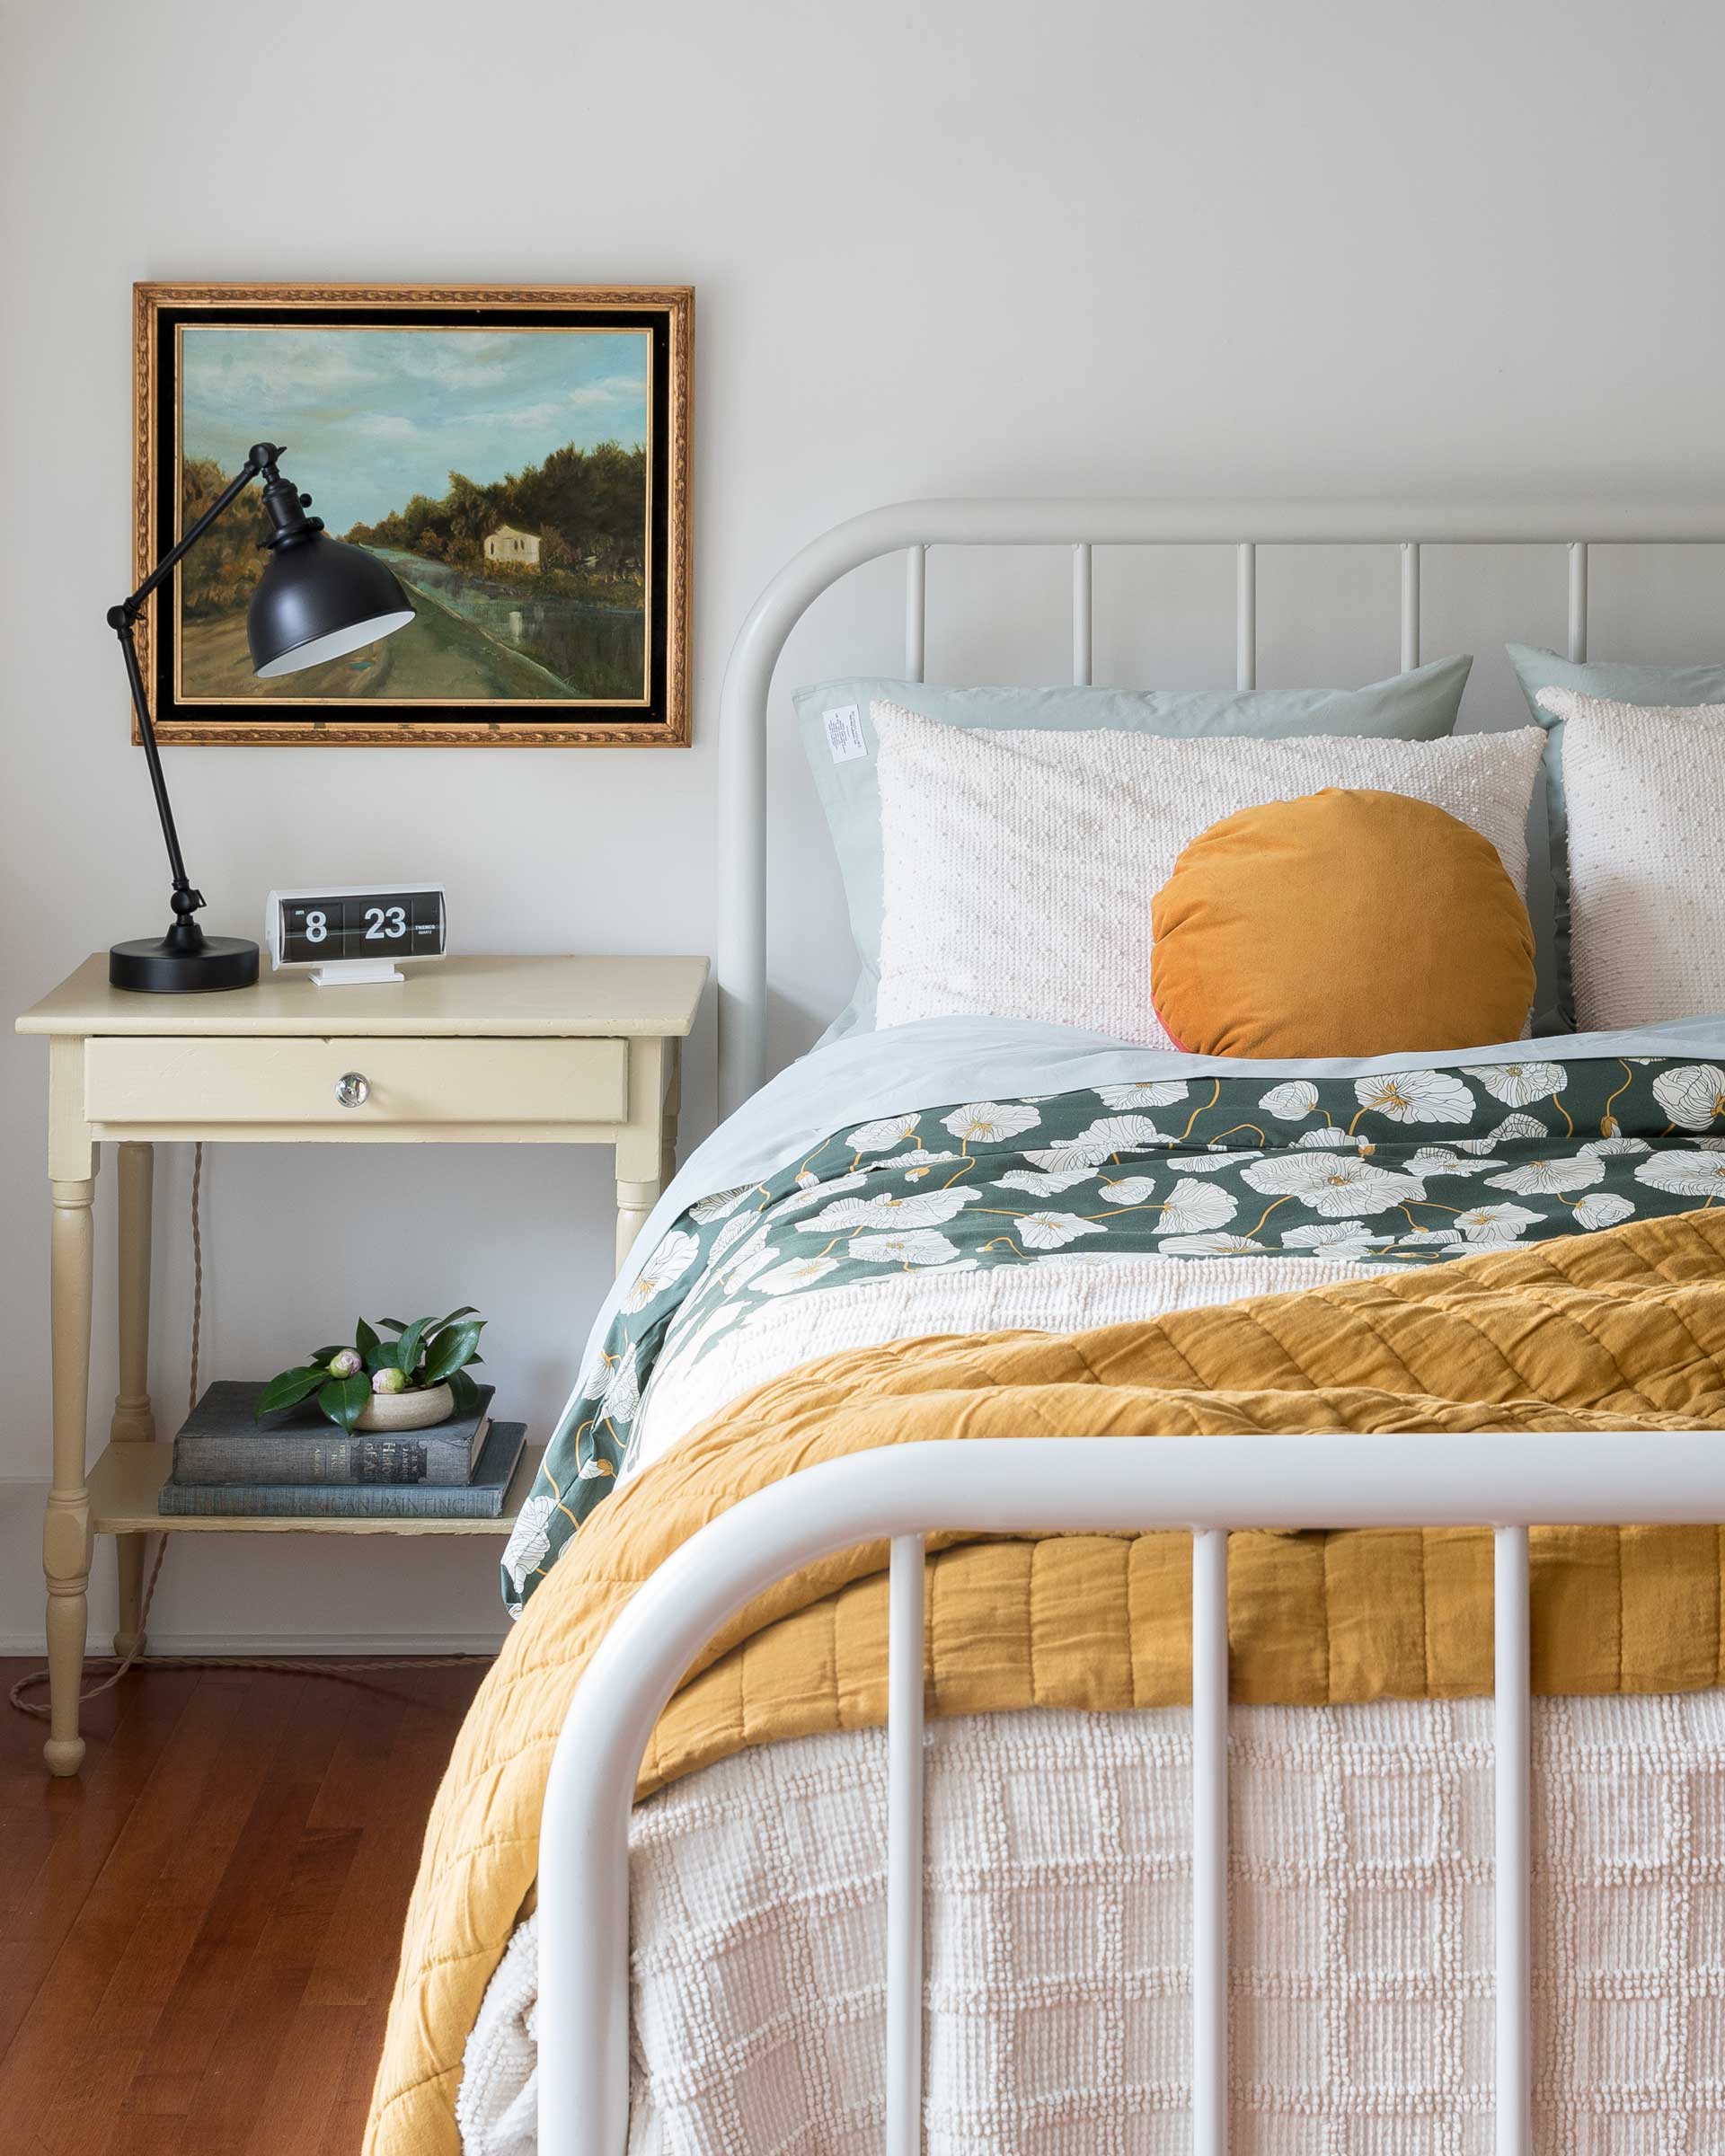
{"x":561,"y":1051}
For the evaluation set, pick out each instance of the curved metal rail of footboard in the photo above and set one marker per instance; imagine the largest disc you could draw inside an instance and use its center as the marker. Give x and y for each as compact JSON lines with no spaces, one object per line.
{"x":901,"y":1494}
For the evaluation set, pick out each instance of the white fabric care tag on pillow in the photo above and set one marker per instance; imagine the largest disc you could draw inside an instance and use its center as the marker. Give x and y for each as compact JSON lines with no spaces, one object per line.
{"x":845,"y":733}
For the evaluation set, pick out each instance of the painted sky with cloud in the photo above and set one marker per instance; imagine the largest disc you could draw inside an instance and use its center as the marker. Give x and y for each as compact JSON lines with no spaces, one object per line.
{"x":373,"y":416}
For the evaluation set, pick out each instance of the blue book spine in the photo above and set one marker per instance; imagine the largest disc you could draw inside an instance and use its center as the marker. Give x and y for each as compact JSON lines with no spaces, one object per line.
{"x":480,"y":1499}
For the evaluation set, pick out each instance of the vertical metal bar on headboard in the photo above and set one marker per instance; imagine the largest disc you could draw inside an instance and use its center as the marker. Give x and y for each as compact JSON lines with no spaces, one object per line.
{"x":1577,"y":600}
{"x":1080,"y":617}
{"x":905,"y":1769}
{"x":1409,"y":605}
{"x":1512,"y":1730}
{"x":1245,"y":616}
{"x":1210,"y":1841}
{"x":916,"y":612}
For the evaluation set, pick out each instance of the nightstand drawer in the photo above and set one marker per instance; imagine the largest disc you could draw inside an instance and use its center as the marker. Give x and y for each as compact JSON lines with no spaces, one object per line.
{"x":236,"y":1082}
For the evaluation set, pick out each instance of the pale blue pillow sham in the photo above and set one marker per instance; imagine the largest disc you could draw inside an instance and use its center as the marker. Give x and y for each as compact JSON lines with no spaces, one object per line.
{"x":839,"y":739}
{"x":1627,"y":681}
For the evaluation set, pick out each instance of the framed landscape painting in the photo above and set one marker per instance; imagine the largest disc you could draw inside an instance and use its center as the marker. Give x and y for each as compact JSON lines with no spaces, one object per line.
{"x":520,"y":459}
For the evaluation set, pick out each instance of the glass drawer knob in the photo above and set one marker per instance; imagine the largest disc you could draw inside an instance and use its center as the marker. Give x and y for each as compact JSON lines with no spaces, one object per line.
{"x":353,"y":1089}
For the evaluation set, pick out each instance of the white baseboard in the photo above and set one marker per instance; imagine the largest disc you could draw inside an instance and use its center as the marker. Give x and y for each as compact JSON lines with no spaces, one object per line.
{"x":301,"y":1646}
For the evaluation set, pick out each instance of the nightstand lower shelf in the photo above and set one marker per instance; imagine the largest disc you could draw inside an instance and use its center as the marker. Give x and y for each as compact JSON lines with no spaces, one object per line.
{"x":124,"y":1482}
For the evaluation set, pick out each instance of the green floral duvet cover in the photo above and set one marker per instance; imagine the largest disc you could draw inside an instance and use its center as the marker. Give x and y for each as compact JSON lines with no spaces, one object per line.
{"x":1389,"y":1166}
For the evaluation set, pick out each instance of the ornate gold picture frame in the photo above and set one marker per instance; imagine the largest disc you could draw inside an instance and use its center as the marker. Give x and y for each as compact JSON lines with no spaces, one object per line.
{"x":519,"y":457}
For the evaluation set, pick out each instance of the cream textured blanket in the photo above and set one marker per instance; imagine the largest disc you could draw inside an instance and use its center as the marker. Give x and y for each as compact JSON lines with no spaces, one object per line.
{"x":1060,"y":1938}
{"x":1622,"y":1331}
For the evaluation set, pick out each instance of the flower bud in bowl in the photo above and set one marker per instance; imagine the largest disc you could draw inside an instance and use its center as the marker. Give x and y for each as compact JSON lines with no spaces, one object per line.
{"x":345,"y":1365}
{"x":388,"y":1381}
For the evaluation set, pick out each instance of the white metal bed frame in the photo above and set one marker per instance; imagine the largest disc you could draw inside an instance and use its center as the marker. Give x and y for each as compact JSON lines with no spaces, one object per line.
{"x":913,"y":527}
{"x":995,"y":1487}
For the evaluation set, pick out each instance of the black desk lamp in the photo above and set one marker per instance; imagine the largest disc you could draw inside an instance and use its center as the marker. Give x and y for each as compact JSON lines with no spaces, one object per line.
{"x":318,"y":599}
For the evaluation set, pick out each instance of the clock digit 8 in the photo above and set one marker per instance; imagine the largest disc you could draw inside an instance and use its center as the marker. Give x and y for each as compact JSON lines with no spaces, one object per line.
{"x":341,"y":926}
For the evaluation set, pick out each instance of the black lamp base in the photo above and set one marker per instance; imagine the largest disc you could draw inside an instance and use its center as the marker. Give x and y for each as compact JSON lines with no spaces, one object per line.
{"x":153,"y":965}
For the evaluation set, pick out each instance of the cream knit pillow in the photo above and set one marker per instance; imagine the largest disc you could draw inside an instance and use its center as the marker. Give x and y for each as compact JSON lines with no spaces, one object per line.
{"x":1019,"y":867}
{"x":1645,"y":785}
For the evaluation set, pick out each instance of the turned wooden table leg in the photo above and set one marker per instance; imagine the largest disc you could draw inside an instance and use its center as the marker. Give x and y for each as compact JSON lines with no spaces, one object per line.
{"x":134,"y":1420}
{"x":673,"y":1101}
{"x":641,"y":1145}
{"x":66,"y":1530}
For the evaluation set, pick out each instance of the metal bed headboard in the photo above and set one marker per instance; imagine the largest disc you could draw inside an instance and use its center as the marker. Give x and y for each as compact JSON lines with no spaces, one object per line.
{"x":912,"y":527}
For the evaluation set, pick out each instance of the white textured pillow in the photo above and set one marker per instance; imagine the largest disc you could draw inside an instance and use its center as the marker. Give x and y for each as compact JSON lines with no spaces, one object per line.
{"x":1019,"y":867}
{"x":1645,"y":785}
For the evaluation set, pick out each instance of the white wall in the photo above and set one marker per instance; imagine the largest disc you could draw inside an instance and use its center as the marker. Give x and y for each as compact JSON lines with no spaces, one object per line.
{"x":993,"y":246}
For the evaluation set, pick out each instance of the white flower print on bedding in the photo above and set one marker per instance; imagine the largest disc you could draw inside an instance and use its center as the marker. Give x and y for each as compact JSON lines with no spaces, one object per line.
{"x":1210,"y":1246}
{"x":1128,"y":1190}
{"x":1550,"y":1178}
{"x":987,"y":1122}
{"x":662,"y":1271}
{"x":1511,"y":1128}
{"x":529,"y":1539}
{"x":1050,"y":1230}
{"x":1693,"y":1096}
{"x":916,"y":1209}
{"x":740,"y":1266}
{"x":721,"y":1203}
{"x":907,"y":1246}
{"x":1108,"y":1137}
{"x":1495,"y":1224}
{"x":812,"y":1191}
{"x":1145,"y":1092}
{"x":1330,"y":1137}
{"x":1438,"y":1160}
{"x":1416,"y":1096}
{"x":1290,"y":1102}
{"x":1700,"y":1175}
{"x":1338,"y":1188}
{"x":1213,"y":1160}
{"x":1602,"y":1209}
{"x":1044,"y":1182}
{"x":1517,"y":1083}
{"x":1335,"y":1238}
{"x":1190,"y":1208}
{"x":743,"y":1224}
{"x":888,"y":1130}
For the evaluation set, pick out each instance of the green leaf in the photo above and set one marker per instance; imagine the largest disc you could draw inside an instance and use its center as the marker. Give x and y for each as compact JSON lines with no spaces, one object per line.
{"x":363,"y":1338}
{"x":343,"y":1400}
{"x":323,"y":1357}
{"x":289,"y":1389}
{"x":410,"y":1344}
{"x":465,"y":1391}
{"x":385,"y":1355}
{"x":448,"y":1351}
{"x":468,"y":1310}
{"x":395,"y":1324}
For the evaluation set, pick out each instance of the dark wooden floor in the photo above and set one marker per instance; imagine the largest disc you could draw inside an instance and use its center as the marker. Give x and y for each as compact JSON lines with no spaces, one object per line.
{"x":198,"y":1936}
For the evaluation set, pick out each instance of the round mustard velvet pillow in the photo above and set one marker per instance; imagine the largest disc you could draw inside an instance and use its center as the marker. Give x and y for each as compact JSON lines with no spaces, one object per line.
{"x":1347,"y":922}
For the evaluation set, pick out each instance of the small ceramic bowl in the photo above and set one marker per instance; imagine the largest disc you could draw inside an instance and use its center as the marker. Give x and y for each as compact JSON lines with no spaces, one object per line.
{"x":408,"y":1410}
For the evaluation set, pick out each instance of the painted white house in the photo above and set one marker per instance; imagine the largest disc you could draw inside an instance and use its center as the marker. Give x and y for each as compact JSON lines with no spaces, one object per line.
{"x":507,"y":544}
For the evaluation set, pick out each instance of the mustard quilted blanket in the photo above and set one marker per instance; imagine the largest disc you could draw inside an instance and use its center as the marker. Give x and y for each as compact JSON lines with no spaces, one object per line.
{"x":1622,"y":1329}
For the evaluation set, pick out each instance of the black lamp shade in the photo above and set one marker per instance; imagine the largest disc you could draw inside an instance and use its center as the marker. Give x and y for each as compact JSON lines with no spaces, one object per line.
{"x":318,"y":600}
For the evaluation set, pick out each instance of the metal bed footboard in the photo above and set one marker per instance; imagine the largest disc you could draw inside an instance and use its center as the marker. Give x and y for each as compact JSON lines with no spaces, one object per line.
{"x":902,"y":1493}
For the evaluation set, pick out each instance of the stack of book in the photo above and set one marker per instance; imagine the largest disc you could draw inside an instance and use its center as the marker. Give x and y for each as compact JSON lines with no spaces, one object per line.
{"x":294,"y":1463}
